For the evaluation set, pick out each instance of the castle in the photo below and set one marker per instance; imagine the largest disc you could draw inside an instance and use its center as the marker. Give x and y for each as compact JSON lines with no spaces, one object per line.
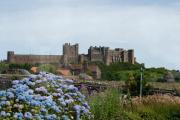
{"x":71,"y":56}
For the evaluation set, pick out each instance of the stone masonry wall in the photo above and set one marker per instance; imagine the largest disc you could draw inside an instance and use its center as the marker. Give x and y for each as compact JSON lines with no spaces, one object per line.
{"x":71,"y":55}
{"x":33,"y":59}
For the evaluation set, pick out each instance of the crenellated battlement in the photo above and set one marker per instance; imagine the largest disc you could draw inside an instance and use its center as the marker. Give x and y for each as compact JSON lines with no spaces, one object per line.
{"x":71,"y":56}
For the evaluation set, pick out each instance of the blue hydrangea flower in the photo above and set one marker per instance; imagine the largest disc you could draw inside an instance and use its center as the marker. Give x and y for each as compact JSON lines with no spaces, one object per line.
{"x":15,"y":82}
{"x":3,"y":113}
{"x":2,"y":93}
{"x":65,"y":117}
{"x":28,"y":115}
{"x":43,"y":110}
{"x":18,"y":116}
{"x":38,"y":96}
{"x":77,"y":108}
{"x":51,"y":117}
{"x":10,"y":95}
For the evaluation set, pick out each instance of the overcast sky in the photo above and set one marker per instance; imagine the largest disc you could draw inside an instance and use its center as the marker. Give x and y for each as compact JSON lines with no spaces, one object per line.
{"x":151,"y":27}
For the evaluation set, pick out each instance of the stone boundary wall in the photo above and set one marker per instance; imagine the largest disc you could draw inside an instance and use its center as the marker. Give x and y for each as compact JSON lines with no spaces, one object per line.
{"x":33,"y":59}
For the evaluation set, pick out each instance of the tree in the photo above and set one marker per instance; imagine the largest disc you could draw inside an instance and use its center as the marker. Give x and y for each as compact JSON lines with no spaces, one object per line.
{"x":133,"y":84}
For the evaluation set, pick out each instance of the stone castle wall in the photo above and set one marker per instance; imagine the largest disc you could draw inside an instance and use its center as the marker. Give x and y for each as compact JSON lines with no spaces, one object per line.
{"x":33,"y":59}
{"x":108,"y":56}
{"x":97,"y":53}
{"x":71,"y":56}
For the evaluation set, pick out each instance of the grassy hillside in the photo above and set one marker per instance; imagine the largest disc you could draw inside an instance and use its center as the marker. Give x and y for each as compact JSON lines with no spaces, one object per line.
{"x":119,"y":72}
{"x":114,"y":72}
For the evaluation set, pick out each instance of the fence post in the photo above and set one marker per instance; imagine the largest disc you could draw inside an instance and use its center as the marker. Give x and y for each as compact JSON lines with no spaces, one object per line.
{"x":141,"y":79}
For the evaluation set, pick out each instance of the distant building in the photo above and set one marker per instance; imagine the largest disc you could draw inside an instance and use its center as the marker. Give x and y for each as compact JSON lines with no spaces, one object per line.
{"x":169,"y":77}
{"x":71,"y":56}
{"x":64,"y":72}
{"x":70,"y":53}
{"x":76,"y":69}
{"x":95,"y":70}
{"x":108,"y":56}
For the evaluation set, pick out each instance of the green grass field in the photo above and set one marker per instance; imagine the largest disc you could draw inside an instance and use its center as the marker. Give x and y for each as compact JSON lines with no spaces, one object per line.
{"x":111,"y":106}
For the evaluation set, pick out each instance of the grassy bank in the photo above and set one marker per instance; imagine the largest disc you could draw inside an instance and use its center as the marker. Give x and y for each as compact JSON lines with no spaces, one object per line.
{"x":111,"y":106}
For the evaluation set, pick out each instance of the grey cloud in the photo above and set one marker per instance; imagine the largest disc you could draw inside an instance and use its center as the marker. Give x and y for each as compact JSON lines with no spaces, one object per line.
{"x":151,"y":30}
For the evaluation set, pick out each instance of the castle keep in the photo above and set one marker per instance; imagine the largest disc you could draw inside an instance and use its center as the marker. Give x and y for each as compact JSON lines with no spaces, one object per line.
{"x":71,"y":56}
{"x":108,"y":56}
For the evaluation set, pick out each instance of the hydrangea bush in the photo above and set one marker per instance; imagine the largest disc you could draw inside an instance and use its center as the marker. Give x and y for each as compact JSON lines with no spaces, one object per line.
{"x":43,"y":97}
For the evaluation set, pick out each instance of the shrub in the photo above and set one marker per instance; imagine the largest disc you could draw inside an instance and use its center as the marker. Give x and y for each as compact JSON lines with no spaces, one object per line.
{"x":176,"y":75}
{"x":47,"y":68}
{"x":116,"y":71}
{"x":158,"y":111}
{"x":20,"y":66}
{"x":133,"y":84}
{"x":110,"y":106}
{"x":107,"y":106}
{"x":44,"y":96}
{"x":3,"y":66}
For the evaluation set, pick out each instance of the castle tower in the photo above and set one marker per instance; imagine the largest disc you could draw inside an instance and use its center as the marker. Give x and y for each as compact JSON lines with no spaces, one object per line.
{"x":125,"y":56}
{"x":131,"y":56}
{"x":10,"y":56}
{"x":107,"y":58}
{"x":70,"y":53}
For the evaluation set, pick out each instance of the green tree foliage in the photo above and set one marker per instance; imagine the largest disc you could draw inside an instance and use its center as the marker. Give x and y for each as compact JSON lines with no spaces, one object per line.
{"x":155,"y":74}
{"x":160,"y":70}
{"x":176,"y":74}
{"x":48,"y":68}
{"x":20,"y":66}
{"x":120,"y":66}
{"x":168,"y":77}
{"x":133,"y":84}
{"x":119,"y":71}
{"x":3,"y":66}
{"x":116,"y":71}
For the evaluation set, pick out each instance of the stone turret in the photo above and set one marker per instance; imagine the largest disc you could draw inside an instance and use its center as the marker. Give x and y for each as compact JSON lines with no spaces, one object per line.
{"x":70,"y":53}
{"x":131,"y":56}
{"x":10,"y":56}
